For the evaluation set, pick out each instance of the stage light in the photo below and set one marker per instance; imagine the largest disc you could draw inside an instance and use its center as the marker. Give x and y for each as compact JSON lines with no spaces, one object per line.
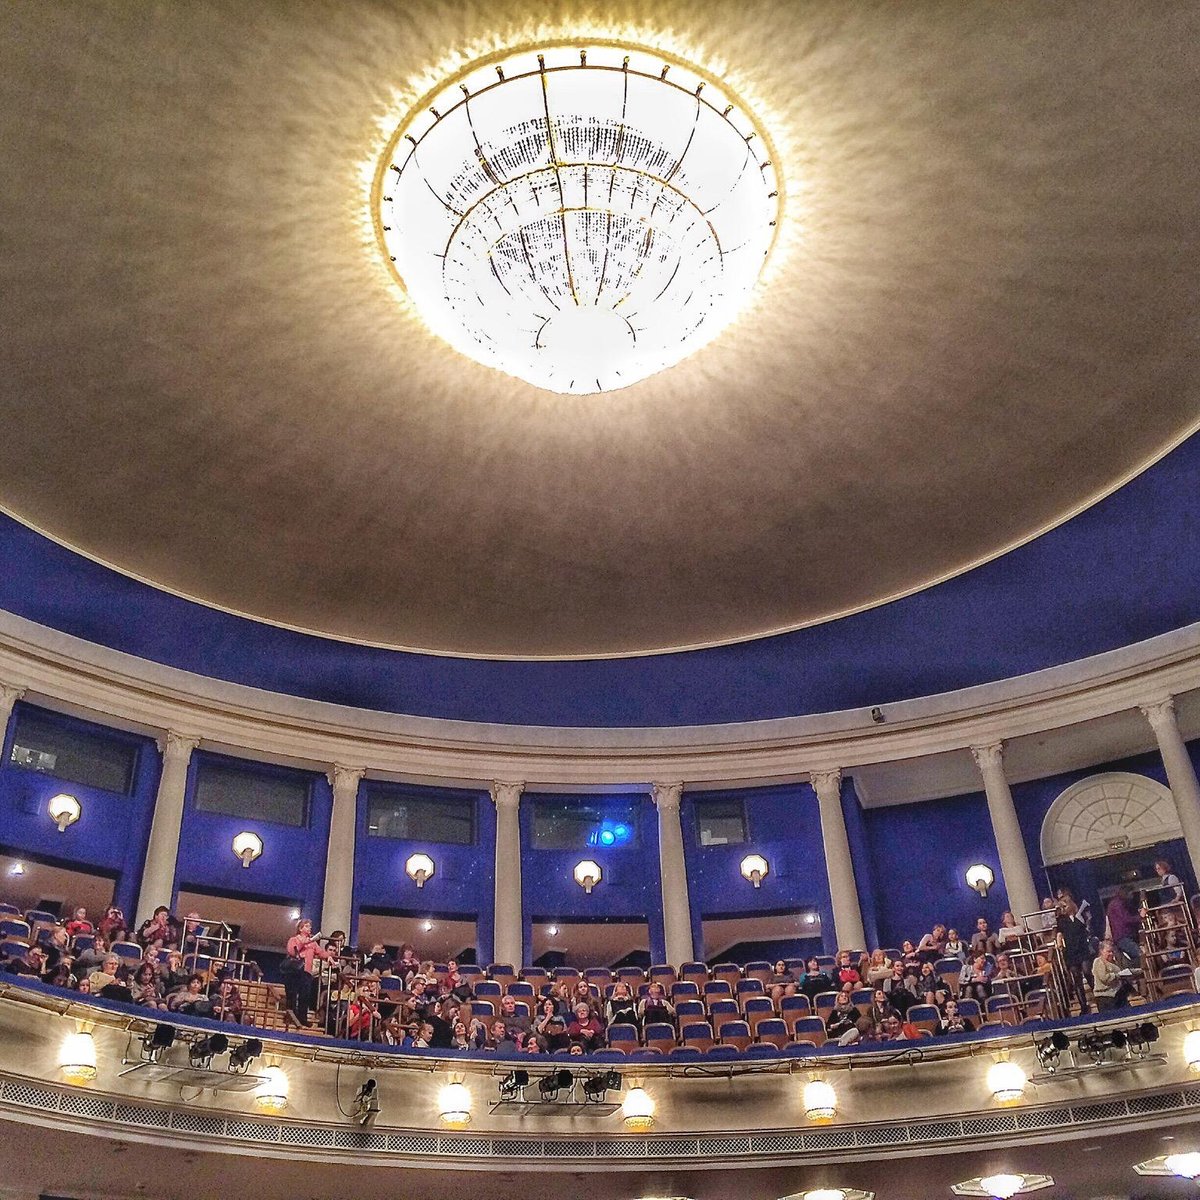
{"x":155,"y":1043}
{"x":1003,"y":1185}
{"x":621,"y":832}
{"x":637,"y":1109}
{"x":419,"y":868}
{"x":820,"y":1101}
{"x":64,"y":810}
{"x":1141,"y":1036}
{"x":454,"y":1105}
{"x":1048,"y":1051}
{"x":426,"y":926}
{"x":77,"y":1057}
{"x":588,"y":874}
{"x":1185,"y":1166}
{"x":1191,"y":1050}
{"x":1006,"y":1082}
{"x":366,"y":1101}
{"x":247,"y":846}
{"x":980,"y":877}
{"x":240,"y":1056}
{"x":271,"y":1095}
{"x":607,"y":837}
{"x":754,"y":869}
{"x":596,"y":1087}
{"x":513,"y":1083}
{"x":201,"y":1051}
{"x":557,"y":1081}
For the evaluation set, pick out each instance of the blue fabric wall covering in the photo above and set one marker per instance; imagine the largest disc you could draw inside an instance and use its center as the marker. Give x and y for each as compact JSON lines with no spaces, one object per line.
{"x":1076,"y":591}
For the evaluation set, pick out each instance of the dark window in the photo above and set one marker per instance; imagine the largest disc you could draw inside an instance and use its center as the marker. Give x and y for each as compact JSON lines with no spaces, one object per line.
{"x":395,"y":813}
{"x":255,"y":795}
{"x":570,"y":824}
{"x":42,"y":744}
{"x":721,"y":822}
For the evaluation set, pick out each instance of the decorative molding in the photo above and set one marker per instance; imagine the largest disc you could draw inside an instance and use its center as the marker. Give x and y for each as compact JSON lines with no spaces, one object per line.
{"x":667,"y":796}
{"x":1107,"y":814}
{"x":345,"y":777}
{"x":828,"y":785}
{"x":505,"y":794}
{"x":177,"y":747}
{"x":1160,"y":713}
{"x":990,"y":758}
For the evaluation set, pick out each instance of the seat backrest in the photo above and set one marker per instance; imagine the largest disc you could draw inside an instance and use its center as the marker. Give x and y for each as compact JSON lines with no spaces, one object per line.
{"x":810,"y":1029}
{"x":750,"y":987}
{"x":723,"y":1052}
{"x":697,"y":972}
{"x":799,"y":1049}
{"x":735,"y":1033}
{"x":762,"y":1050}
{"x":731,"y":973}
{"x":37,"y":916}
{"x":470,"y":971}
{"x":660,"y":1036}
{"x":129,"y":951}
{"x":502,"y":973}
{"x":826,"y":962}
{"x":391,"y":985}
{"x":718,"y":987}
{"x":684,"y":988}
{"x":698,"y":1034}
{"x":15,"y":928}
{"x":609,"y":1055}
{"x":11,"y":948}
{"x":924,"y":1016}
{"x":84,"y":941}
{"x":600,"y":976}
{"x":949,"y":971}
{"x":689,"y":1010}
{"x":522,"y":989}
{"x":483,"y":1009}
{"x":537,"y":977}
{"x":488,"y":988}
{"x":631,"y":975}
{"x":521,"y":1009}
{"x":646,"y":1054}
{"x":773,"y":1030}
{"x":691,"y":1053}
{"x":9,"y":910}
{"x":795,"y":1006}
{"x":624,"y":1037}
{"x":723,"y":1012}
{"x":969,"y":1009}
{"x":758,"y":1006}
{"x":762,"y":971}
{"x":861,"y":999}
{"x":823,"y":1005}
{"x":571,"y":974}
{"x":662,"y":973}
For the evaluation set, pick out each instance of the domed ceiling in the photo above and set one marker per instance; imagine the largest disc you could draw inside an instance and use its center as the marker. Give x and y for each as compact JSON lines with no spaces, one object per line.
{"x":980,"y":315}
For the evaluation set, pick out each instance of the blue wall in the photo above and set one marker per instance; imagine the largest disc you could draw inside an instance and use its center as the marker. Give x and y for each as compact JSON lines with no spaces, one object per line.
{"x":784,"y":826}
{"x":463,"y":885}
{"x":629,"y":891}
{"x":988,"y":624}
{"x":112,"y":832}
{"x":291,"y":870}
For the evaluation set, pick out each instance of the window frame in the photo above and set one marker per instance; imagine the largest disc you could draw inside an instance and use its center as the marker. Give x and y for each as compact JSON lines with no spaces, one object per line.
{"x":397,"y":793}
{"x":600,"y":808}
{"x":131,"y":743}
{"x":698,"y":805}
{"x":248,"y":767}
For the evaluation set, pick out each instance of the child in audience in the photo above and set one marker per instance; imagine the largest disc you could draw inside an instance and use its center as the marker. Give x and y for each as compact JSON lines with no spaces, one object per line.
{"x":79,"y":923}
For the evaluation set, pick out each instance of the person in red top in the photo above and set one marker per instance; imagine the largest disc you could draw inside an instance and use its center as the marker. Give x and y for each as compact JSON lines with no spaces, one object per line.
{"x":585,"y":1029}
{"x":299,"y":971}
{"x":846,"y":971}
{"x":79,"y":923}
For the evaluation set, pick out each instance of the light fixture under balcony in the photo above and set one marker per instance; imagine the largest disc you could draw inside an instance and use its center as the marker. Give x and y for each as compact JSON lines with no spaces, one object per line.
{"x":1002,"y":1186}
{"x":454,"y":1105}
{"x":77,"y":1057}
{"x":64,"y":810}
{"x":637,"y":1109}
{"x":980,"y":877}
{"x":271,"y":1094}
{"x":820,"y":1101}
{"x":247,"y":846}
{"x":419,"y":868}
{"x":588,"y":874}
{"x":755,"y":869}
{"x":582,"y":216}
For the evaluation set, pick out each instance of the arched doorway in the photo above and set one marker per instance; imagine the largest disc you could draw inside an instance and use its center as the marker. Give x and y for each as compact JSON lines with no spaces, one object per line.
{"x":1107,"y":830}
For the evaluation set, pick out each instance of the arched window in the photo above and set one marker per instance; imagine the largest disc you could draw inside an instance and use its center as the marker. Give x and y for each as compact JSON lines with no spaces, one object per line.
{"x":1107,"y":814}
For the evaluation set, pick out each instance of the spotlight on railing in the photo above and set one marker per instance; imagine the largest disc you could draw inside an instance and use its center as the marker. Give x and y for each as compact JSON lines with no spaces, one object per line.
{"x":513,"y":1085}
{"x":241,"y":1055}
{"x":1048,"y":1051}
{"x":596,"y":1087}
{"x":550,"y":1085}
{"x":366,"y":1101}
{"x":201,"y":1051}
{"x":157,"y":1042}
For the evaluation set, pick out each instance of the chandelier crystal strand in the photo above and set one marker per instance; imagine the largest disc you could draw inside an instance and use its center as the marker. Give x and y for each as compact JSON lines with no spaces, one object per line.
{"x":579,"y":218}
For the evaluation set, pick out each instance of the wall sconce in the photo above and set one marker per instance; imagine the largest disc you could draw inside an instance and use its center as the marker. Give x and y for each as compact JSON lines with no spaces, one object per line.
{"x":755,"y":868}
{"x":271,"y":1095}
{"x":419,"y":868}
{"x":980,"y":877}
{"x":588,"y":874}
{"x":637,"y":1109}
{"x":820,"y":1101}
{"x":64,"y":810}
{"x":77,"y":1057}
{"x":247,"y":846}
{"x":454,"y":1105}
{"x":1002,"y":1186}
{"x":1006,"y":1081}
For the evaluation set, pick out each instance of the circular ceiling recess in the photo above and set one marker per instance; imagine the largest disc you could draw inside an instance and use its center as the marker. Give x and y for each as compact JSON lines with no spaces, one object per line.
{"x":977,"y":312}
{"x":581,"y":218}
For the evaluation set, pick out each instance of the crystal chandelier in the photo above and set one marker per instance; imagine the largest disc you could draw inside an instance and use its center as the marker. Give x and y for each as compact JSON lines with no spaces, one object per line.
{"x":578,"y":218}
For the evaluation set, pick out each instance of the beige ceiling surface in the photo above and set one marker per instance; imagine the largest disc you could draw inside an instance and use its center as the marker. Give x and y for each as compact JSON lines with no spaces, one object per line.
{"x":982,"y":312}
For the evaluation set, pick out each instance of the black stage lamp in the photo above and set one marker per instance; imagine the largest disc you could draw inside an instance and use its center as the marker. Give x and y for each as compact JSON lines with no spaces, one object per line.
{"x":512,"y":1083}
{"x":1049,"y":1050}
{"x":1142,"y":1036}
{"x":201,"y":1051}
{"x":240,"y":1056}
{"x":366,"y":1101}
{"x":597,"y":1086}
{"x":557,"y":1081}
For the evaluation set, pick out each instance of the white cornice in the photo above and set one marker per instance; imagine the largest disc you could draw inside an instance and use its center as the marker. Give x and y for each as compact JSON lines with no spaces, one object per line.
{"x":68,"y":673}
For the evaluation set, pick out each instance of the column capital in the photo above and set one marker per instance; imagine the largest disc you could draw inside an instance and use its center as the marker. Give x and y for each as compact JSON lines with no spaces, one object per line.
{"x":989,"y":757}
{"x":177,"y":746}
{"x":10,"y":693}
{"x":827,"y":783}
{"x":506,"y":794}
{"x":340,"y":776}
{"x":666,"y":795}
{"x":1160,"y":713}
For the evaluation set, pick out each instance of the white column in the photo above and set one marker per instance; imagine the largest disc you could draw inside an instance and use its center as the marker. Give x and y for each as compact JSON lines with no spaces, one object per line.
{"x":338,"y":905}
{"x":1181,"y":774}
{"x":843,"y":890}
{"x":9,"y":695}
{"x":672,"y":870}
{"x":1010,"y":845}
{"x":509,"y":927}
{"x":158,"y":875}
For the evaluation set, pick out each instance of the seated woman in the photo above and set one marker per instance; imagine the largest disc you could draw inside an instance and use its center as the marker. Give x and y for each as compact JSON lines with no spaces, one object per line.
{"x":814,"y":981}
{"x":1109,"y":988}
{"x":930,"y":986}
{"x":564,"y":1002}
{"x":79,"y":923}
{"x":781,"y":983}
{"x":146,"y":988}
{"x":1009,"y":928}
{"x":842,"y":1024}
{"x":910,"y":958}
{"x":975,"y":982}
{"x":654,"y":1008}
{"x":881,"y":1008}
{"x":622,"y":1007}
{"x":932,"y":946}
{"x":846,"y":970}
{"x":191,"y":998}
{"x":89,"y":960}
{"x":107,"y":974}
{"x":113,"y":926}
{"x":900,"y":988}
{"x":172,"y":973}
{"x":955,"y":947}
{"x":583,"y":994}
{"x":586,"y":1028}
{"x":953,"y":1021}
{"x":879,"y":969}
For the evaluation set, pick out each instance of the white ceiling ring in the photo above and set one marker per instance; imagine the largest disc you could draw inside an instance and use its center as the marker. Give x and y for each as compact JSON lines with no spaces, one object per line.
{"x":1108,"y":814}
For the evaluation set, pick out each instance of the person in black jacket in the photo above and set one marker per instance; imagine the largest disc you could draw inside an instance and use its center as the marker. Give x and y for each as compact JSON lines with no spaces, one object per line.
{"x":1072,"y":937}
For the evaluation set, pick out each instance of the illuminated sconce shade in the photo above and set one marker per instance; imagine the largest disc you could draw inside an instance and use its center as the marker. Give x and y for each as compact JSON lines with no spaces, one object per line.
{"x":637,"y":1109}
{"x":1006,"y":1082}
{"x":271,"y":1095}
{"x":980,"y":877}
{"x":64,"y":810}
{"x":247,"y":846}
{"x":454,"y":1105}
{"x":1191,"y":1050}
{"x":77,"y":1058}
{"x":588,"y":874}
{"x":419,"y":868}
{"x":755,"y":868}
{"x":820,"y":1101}
{"x":1002,"y":1186}
{"x":1184,"y":1166}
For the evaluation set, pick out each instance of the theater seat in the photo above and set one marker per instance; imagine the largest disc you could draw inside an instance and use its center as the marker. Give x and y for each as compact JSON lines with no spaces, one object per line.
{"x":502,"y":973}
{"x":861,"y":999}
{"x":687,"y":1053}
{"x":129,"y":952}
{"x":762,"y":971}
{"x":488,"y":989}
{"x":924,"y":1016}
{"x":721,"y":1012}
{"x":684,"y":989}
{"x":773,"y":1031}
{"x":722,"y":1053}
{"x":698,"y":1035}
{"x":823,"y":1004}
{"x":696,"y":972}
{"x":791,"y":1007}
{"x":623,"y":1037}
{"x":690,"y":1010}
{"x":735,"y":1033}
{"x":970,"y":1010}
{"x":664,"y":974}
{"x":660,"y":1037}
{"x":762,"y":1050}
{"x":809,"y":1029}
{"x":799,"y":1049}
{"x":948,"y":971}
{"x":15,"y":928}
{"x":729,"y":973}
{"x":522,"y":989}
{"x":757,"y":1010}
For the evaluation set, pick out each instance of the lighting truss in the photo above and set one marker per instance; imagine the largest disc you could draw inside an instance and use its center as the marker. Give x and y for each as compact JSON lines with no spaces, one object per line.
{"x":1110,"y":1048}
